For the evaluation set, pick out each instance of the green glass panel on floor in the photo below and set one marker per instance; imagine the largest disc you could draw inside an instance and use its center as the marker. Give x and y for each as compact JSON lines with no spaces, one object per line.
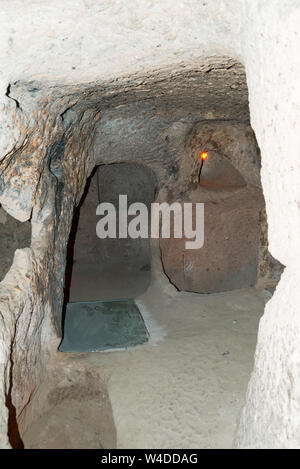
{"x":101,"y":325}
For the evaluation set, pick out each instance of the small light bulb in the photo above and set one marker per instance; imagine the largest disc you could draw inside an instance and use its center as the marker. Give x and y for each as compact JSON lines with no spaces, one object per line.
{"x":203,"y":155}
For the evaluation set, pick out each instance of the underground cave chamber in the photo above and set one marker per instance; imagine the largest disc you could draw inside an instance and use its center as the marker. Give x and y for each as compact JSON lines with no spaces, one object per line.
{"x":146,"y":143}
{"x":105,"y":276}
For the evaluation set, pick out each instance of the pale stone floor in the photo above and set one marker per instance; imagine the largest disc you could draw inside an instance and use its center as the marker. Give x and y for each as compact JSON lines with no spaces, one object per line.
{"x":184,"y":389}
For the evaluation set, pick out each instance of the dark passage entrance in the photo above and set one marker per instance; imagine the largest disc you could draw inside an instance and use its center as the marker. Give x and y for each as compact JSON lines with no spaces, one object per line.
{"x":102,"y":269}
{"x":103,"y":276}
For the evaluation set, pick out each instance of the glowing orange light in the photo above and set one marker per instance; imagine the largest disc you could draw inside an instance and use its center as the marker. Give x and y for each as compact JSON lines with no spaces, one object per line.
{"x":203,"y":155}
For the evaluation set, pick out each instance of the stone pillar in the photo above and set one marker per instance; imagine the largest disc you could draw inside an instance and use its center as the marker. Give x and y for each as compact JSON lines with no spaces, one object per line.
{"x":270,"y":418}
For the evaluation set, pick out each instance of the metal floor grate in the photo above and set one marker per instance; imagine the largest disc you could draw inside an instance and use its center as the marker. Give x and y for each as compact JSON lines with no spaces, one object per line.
{"x":92,"y":326}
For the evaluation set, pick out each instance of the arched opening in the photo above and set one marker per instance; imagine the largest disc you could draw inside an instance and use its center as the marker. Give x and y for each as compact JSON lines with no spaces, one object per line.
{"x":105,"y":275}
{"x":227,"y":182}
{"x":110,"y":268}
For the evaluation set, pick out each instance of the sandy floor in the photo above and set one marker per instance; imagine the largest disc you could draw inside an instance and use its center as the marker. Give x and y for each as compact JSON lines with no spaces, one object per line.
{"x":184,"y":389}
{"x":71,"y":409}
{"x":188,"y":389}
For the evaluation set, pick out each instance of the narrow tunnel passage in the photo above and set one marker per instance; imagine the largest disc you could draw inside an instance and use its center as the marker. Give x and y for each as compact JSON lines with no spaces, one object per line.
{"x":105,"y":275}
{"x":106,"y":269}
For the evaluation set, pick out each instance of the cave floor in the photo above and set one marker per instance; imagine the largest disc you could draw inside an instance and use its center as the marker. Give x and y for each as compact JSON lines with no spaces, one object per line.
{"x":183,"y":389}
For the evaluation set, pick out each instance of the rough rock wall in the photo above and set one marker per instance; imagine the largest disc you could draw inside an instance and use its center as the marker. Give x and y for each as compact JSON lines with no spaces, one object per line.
{"x":269,"y":270}
{"x":41,"y":43}
{"x":37,"y":182}
{"x":271,"y":415}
